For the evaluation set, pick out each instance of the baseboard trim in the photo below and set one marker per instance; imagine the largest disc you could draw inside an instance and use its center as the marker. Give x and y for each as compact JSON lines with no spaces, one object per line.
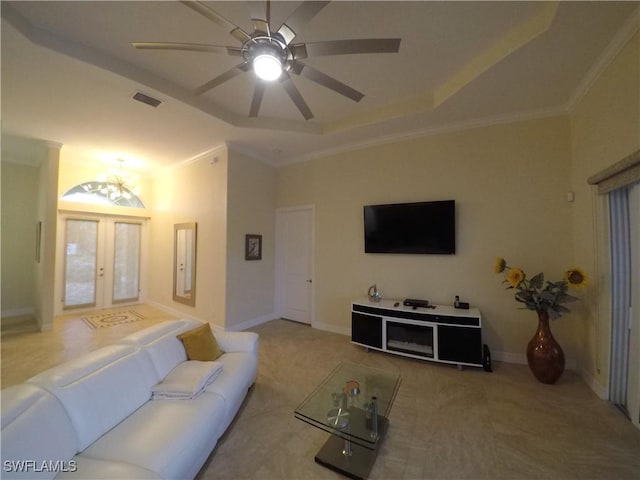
{"x":521,"y":359}
{"x":18,"y":312}
{"x":509,"y":357}
{"x":332,"y":328}
{"x":601,"y":391}
{"x":253,"y":322}
{"x":173,"y":311}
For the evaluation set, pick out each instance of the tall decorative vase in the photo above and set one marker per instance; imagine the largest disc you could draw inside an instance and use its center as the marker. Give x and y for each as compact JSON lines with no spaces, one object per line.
{"x":544,"y":354}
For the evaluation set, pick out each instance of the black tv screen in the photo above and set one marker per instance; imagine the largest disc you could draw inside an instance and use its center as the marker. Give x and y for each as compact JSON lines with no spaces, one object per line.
{"x":422,"y":228}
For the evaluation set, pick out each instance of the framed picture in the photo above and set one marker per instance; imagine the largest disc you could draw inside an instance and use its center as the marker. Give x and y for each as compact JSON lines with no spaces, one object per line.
{"x":252,"y":247}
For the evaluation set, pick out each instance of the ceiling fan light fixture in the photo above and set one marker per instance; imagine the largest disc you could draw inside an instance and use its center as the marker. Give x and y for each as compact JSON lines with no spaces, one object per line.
{"x":267,"y":66}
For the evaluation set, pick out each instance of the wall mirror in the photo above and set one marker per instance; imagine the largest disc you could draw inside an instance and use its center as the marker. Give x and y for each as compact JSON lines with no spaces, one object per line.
{"x":184,"y":263}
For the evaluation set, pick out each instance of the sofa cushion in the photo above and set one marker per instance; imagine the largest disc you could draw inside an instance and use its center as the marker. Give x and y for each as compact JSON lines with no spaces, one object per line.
{"x":35,"y":428}
{"x":170,"y":437}
{"x":94,"y":469}
{"x":237,"y":375}
{"x":100,"y":389}
{"x":238,"y":341}
{"x":161,"y":343}
{"x":200,"y":344}
{"x":187,"y":380}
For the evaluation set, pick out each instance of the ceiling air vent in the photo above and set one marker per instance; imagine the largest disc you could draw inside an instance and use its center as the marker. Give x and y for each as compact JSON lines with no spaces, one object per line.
{"x":141,"y":97}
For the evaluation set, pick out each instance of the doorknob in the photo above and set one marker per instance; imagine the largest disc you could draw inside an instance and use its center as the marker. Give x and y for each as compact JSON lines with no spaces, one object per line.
{"x":309,"y":281}
{"x":101,"y":273}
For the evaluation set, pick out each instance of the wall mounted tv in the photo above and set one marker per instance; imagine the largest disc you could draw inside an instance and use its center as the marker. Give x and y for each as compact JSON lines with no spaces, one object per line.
{"x":418,"y":228}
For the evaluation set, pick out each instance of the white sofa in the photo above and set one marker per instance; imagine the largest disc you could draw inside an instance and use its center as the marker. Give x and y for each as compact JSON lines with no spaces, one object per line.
{"x":94,"y":417}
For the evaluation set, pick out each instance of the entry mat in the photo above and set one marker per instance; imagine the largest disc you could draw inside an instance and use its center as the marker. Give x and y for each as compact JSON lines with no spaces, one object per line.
{"x":111,"y":319}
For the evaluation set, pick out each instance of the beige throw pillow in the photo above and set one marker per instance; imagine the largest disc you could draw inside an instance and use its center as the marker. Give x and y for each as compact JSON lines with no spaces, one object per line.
{"x":200,"y":344}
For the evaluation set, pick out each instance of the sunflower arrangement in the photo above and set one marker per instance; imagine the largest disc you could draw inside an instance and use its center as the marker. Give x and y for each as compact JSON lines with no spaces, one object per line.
{"x":538,"y":295}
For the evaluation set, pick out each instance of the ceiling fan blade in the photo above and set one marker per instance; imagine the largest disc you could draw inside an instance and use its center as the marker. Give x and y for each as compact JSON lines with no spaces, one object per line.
{"x":344,"y":47}
{"x":294,"y":94}
{"x":267,"y":8}
{"x":190,"y":47}
{"x":325,"y":80}
{"x":228,"y":75}
{"x":261,"y":16}
{"x":261,"y":26}
{"x":299,"y":18}
{"x":258,"y":93}
{"x":215,"y":17}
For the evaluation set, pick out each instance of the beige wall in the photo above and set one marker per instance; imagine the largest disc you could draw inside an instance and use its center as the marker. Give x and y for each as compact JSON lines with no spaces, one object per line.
{"x":29,"y":191}
{"x":605,"y":127}
{"x":19,"y":216}
{"x":48,"y":177}
{"x":193,"y":192}
{"x":509,"y":183}
{"x":250,"y":209}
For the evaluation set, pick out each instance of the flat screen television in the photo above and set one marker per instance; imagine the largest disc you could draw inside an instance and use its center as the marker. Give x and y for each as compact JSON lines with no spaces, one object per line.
{"x":418,"y":228}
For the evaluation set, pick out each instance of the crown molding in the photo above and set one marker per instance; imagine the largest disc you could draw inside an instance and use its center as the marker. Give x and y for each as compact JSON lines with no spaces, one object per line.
{"x":251,"y":153}
{"x":429,"y":132}
{"x":612,"y":50}
{"x":207,"y":154}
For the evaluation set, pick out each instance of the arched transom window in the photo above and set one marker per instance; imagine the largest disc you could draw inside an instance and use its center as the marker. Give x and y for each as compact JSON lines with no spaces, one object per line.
{"x":103,"y":193}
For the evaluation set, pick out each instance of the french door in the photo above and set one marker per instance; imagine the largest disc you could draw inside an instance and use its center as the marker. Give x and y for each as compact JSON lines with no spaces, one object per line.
{"x":101,"y":259}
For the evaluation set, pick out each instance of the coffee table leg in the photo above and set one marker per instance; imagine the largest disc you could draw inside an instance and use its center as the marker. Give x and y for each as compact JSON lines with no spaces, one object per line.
{"x":346,"y":458}
{"x":346,"y":451}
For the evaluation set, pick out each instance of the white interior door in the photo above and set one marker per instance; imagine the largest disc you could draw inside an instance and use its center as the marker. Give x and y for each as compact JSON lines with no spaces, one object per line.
{"x":294,"y":263}
{"x":101,"y":260}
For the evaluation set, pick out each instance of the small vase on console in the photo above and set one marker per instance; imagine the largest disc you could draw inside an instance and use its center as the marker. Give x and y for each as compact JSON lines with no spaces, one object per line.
{"x":373,"y":293}
{"x":544,"y":353}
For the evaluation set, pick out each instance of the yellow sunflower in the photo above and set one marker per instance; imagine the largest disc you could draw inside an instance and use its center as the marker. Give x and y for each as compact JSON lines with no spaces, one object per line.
{"x":515,"y":277}
{"x":500,"y":265}
{"x":576,"y":277}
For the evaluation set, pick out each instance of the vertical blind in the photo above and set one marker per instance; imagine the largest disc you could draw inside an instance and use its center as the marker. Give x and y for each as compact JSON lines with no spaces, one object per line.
{"x":620,"y":294}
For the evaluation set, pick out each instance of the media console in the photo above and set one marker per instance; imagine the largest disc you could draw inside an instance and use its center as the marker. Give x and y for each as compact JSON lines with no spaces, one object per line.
{"x":441,"y":334}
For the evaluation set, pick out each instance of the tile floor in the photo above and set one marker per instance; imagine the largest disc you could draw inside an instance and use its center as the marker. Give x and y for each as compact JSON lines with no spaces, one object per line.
{"x":445,"y":423}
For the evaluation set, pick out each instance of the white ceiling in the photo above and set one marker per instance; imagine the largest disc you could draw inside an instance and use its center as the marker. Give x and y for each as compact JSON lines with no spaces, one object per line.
{"x":69,"y":71}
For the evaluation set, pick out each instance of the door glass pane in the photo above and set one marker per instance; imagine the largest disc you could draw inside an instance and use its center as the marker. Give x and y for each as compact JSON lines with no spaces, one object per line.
{"x":81,"y":246}
{"x":126,"y":263}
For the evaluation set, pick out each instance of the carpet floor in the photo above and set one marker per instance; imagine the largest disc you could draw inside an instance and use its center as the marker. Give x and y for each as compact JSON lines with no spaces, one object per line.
{"x":444,"y":424}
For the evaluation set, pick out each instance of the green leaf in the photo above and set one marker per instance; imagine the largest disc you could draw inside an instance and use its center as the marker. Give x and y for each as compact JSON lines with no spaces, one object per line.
{"x":537,"y":281}
{"x":564,"y":298}
{"x":548,"y":296}
{"x":524,"y":296}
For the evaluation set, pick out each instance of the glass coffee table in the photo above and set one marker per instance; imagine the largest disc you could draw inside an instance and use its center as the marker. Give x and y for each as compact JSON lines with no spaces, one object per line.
{"x":353,"y":404}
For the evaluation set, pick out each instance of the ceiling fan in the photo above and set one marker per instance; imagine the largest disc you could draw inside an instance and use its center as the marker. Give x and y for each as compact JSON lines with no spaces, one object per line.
{"x":272,"y":55}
